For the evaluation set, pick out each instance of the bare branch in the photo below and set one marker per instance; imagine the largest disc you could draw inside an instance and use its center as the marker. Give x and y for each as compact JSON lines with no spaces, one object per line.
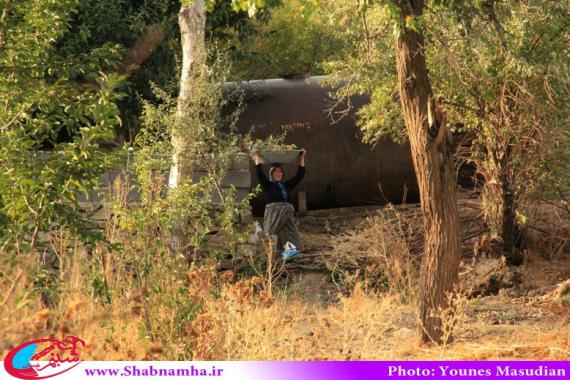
{"x":4,"y":23}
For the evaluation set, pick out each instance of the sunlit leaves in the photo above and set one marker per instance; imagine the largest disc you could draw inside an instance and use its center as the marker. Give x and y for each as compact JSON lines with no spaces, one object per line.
{"x":364,"y":4}
{"x":415,"y":23}
{"x":307,"y":7}
{"x":57,"y":108}
{"x":249,"y":6}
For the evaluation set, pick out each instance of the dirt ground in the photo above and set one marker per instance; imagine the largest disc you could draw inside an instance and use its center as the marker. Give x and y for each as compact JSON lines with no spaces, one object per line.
{"x":507,"y":312}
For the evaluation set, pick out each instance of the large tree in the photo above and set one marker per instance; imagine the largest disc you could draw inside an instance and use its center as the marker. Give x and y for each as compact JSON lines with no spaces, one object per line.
{"x":394,"y":71}
{"x":504,"y":70}
{"x":431,"y":151}
{"x":192,"y":23}
{"x":501,"y":73}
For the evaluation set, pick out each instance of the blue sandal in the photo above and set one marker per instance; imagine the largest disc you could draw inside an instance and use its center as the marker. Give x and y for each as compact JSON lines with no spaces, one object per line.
{"x":289,"y":254}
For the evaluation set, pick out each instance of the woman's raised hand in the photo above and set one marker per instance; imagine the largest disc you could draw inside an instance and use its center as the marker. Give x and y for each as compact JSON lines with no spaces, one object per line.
{"x":256,"y":158}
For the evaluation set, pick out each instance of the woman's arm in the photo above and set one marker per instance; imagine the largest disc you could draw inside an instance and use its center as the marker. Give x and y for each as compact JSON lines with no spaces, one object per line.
{"x":300,"y":172}
{"x":256,"y":157}
{"x":264,"y":182}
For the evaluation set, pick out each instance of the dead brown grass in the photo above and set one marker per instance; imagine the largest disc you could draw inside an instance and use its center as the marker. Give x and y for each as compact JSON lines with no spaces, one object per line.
{"x":245,"y":320}
{"x":361,"y":326}
{"x":111,"y":331}
{"x":242,"y":323}
{"x":251,"y":328}
{"x":374,"y":254}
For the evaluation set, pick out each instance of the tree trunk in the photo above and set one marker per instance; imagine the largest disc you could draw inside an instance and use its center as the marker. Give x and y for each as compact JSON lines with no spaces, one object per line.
{"x":509,"y":230}
{"x":192,"y":22}
{"x":500,"y":201}
{"x":433,"y":163}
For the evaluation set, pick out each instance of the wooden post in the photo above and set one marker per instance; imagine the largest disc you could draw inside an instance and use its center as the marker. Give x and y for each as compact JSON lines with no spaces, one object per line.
{"x":302,"y":203}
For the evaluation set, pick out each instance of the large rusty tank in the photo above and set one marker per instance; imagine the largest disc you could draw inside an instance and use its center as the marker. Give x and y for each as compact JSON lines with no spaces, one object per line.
{"x":341,"y":169}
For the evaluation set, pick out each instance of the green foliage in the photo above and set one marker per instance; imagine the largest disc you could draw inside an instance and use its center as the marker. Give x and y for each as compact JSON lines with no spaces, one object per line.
{"x":366,"y":65}
{"x":100,"y":24}
{"x":251,"y":6}
{"x":45,"y":284}
{"x":121,"y":25}
{"x":56,"y":110}
{"x":505,"y":74}
{"x":211,"y":143}
{"x":142,"y":230}
{"x":273,"y":142}
{"x":293,"y":38}
{"x":502,"y":70}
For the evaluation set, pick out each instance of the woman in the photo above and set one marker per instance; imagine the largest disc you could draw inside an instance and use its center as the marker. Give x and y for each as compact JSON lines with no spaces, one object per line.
{"x":279,"y":212}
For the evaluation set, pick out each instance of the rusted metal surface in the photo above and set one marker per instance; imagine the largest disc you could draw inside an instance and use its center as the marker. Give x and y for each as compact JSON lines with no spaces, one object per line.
{"x":341,"y":169}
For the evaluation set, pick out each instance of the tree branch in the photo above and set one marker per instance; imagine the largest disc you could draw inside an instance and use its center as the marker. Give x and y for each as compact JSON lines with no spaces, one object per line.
{"x":4,"y":23}
{"x":492,"y":16}
{"x":537,"y":40}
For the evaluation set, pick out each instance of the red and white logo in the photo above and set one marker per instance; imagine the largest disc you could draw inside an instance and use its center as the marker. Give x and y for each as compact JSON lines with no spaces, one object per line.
{"x":43,"y":358}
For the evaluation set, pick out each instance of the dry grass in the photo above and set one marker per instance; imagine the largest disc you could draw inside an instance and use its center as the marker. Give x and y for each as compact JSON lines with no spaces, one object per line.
{"x":242,"y":323}
{"x":563,"y":291}
{"x":549,"y":230}
{"x":253,"y":328}
{"x":205,"y":314}
{"x":359,"y":327}
{"x":111,"y":331}
{"x":374,"y":254}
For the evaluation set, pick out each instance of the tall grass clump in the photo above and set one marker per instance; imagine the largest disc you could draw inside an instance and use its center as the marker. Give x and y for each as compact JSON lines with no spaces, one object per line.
{"x":376,"y":255}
